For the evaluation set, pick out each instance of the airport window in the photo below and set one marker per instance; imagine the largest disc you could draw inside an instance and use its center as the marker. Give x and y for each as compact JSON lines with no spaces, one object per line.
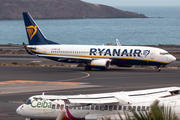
{"x":62,"y":106}
{"x":28,"y":102}
{"x":143,"y":108}
{"x":134,"y":108}
{"x":120,"y":107}
{"x":106,"y":107}
{"x":115,"y":107}
{"x":102,"y":107}
{"x":92,"y":107}
{"x":124,"y":107}
{"x":57,"y":107}
{"x":129,"y":107}
{"x":138,"y":108}
{"x":147,"y":108}
{"x":110,"y":107}
{"x":53,"y":106}
{"x":97,"y":107}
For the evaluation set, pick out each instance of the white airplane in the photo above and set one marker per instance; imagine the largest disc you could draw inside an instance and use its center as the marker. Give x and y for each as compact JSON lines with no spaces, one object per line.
{"x":94,"y":56}
{"x":98,"y":106}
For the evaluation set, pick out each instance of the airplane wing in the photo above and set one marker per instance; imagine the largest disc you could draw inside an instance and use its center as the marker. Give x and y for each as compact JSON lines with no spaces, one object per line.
{"x":102,"y":100}
{"x":64,"y":57}
{"x":76,"y":102}
{"x":158,"y":92}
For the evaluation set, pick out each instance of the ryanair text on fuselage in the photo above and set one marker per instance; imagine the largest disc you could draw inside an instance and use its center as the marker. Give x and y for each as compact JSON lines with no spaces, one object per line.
{"x":118,"y":52}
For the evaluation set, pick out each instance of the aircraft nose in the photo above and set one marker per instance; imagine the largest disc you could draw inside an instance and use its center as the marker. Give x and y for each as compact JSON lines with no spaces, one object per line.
{"x":19,"y":110}
{"x":172,"y":59}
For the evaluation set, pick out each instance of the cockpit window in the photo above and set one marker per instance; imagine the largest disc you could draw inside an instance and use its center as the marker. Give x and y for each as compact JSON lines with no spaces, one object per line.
{"x":28,"y":102}
{"x":164,"y":53}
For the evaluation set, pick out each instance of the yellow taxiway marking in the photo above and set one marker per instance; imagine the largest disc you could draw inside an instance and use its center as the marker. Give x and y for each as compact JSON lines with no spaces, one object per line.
{"x":40,"y":82}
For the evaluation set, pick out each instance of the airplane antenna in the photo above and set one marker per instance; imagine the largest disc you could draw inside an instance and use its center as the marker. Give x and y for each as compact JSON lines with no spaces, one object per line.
{"x":118,"y":43}
{"x":43,"y":93}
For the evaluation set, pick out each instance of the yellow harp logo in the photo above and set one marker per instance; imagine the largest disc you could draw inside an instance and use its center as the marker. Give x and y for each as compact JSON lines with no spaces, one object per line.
{"x":31,"y":30}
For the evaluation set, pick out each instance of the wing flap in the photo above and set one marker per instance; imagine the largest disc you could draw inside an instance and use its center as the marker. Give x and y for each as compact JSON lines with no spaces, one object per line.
{"x":107,"y":100}
{"x":65,"y":57}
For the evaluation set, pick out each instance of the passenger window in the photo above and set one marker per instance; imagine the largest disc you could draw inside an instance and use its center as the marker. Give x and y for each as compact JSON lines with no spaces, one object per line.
{"x":87,"y":107}
{"x":62,"y":106}
{"x":115,"y":107}
{"x":134,"y":108}
{"x":92,"y":107}
{"x":120,"y":107}
{"x":102,"y":107}
{"x":106,"y":107}
{"x":124,"y":107}
{"x":110,"y":108}
{"x":84,"y":107}
{"x":147,"y":108}
{"x":97,"y":107}
{"x":143,"y":108}
{"x":138,"y":108}
{"x":53,"y":106}
{"x":57,"y":107}
{"x":129,"y":107}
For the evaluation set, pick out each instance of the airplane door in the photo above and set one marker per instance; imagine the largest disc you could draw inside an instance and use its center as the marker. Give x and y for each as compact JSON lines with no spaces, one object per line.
{"x":172,"y":104}
{"x":152,"y":54}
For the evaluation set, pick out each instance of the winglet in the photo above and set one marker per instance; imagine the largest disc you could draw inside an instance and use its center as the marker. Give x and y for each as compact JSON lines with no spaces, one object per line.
{"x":118,"y":43}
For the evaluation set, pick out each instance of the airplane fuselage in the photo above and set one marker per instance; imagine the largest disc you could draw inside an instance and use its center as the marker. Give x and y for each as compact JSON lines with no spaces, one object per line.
{"x":50,"y":106}
{"x":93,"y":56}
{"x":118,"y":55}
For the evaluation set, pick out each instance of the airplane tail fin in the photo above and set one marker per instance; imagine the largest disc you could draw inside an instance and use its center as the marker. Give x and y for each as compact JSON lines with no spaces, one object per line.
{"x":34,"y":34}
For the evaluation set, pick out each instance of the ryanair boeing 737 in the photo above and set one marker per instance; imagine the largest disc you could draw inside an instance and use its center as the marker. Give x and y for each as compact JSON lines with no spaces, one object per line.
{"x":94,"y":56}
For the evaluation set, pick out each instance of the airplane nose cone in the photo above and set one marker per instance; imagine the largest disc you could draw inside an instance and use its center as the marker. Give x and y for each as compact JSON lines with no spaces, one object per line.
{"x":19,"y":110}
{"x":172,"y":59}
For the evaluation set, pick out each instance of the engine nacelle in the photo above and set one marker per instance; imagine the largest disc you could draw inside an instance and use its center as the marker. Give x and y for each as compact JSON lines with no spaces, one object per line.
{"x":100,"y":63}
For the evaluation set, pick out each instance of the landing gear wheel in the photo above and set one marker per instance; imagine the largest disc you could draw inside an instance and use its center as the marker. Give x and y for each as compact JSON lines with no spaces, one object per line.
{"x":88,"y":68}
{"x":158,"y":69}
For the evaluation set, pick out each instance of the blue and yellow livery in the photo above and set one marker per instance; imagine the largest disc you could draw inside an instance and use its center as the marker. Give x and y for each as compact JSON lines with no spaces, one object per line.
{"x":94,"y":56}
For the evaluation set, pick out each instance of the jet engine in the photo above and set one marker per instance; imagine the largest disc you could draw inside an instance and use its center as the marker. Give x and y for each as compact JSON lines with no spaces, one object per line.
{"x":100,"y":63}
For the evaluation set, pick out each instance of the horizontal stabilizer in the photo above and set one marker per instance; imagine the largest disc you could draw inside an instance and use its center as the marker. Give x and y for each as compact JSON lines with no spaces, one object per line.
{"x":27,"y":49}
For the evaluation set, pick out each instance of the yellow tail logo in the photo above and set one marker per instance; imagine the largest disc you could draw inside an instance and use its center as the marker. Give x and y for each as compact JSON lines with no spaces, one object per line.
{"x":31,"y":30}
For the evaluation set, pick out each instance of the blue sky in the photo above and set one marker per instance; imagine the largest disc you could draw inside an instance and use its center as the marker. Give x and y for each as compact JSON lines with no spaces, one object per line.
{"x":136,"y":2}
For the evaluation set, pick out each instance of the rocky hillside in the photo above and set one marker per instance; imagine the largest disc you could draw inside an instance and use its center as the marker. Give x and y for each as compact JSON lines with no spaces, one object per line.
{"x":60,"y":9}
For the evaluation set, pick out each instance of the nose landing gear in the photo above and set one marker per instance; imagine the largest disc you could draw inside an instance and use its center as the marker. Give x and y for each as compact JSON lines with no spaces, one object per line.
{"x":158,"y":69}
